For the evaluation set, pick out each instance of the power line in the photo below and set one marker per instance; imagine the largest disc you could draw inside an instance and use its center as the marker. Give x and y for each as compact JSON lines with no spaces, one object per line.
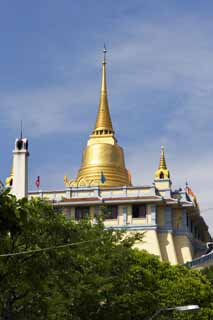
{"x":47,"y":249}
{"x":207,"y":209}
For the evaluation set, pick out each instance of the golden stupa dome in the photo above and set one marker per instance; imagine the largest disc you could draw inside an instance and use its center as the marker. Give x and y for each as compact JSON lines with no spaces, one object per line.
{"x":103,"y":159}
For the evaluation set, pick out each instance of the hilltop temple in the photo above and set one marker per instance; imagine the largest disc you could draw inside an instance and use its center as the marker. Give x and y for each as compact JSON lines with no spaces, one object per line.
{"x":170,"y":219}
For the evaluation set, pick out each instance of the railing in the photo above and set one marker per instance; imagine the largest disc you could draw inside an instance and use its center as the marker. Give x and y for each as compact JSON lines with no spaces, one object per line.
{"x":201,"y":260}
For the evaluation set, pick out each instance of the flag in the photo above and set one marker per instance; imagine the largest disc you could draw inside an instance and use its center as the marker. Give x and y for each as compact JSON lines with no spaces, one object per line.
{"x":191,"y":195}
{"x":190,"y":192}
{"x":37,"y":182}
{"x":103,"y":178}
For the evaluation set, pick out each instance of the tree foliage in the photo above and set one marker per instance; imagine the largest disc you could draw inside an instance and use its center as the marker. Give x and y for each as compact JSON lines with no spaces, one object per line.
{"x":101,"y":278}
{"x":208,"y":272}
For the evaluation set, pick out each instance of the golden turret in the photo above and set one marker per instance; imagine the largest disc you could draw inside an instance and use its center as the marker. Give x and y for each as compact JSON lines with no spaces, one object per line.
{"x":162,"y":172}
{"x":9,"y":180}
{"x":103,"y":159}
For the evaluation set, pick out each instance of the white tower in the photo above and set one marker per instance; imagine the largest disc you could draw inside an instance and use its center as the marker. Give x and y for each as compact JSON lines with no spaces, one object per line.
{"x":20,"y":168}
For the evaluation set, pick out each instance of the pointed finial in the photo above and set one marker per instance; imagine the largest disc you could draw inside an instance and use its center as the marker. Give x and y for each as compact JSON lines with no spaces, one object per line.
{"x":21,"y":130}
{"x":162,"y":159}
{"x":103,"y":123}
{"x":104,"y":52}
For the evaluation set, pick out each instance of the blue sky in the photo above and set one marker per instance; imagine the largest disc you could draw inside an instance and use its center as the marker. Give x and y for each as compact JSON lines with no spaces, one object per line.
{"x":160,"y":82}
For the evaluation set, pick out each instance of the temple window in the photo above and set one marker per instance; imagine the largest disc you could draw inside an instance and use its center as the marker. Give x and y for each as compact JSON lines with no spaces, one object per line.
{"x":196,"y":232}
{"x":191,"y":226}
{"x":68,"y":213}
{"x":111,"y":212}
{"x":161,"y":175}
{"x":81,"y":213}
{"x":187,"y":220}
{"x":19,"y":144}
{"x":139,"y":211}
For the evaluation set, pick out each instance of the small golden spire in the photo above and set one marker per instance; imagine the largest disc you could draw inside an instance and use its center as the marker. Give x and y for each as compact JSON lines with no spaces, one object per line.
{"x":103,"y":123}
{"x":162,"y":172}
{"x":162,"y":164}
{"x":9,"y":180}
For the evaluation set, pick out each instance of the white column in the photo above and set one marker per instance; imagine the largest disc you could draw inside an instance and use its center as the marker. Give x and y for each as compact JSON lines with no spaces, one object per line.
{"x":20,"y":162}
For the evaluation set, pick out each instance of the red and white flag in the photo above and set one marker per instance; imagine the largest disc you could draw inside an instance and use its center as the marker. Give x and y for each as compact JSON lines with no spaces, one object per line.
{"x":37,"y":182}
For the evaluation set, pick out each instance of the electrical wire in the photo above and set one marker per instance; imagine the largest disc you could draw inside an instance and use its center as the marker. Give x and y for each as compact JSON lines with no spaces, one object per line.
{"x":207,"y":209}
{"x":47,"y":249}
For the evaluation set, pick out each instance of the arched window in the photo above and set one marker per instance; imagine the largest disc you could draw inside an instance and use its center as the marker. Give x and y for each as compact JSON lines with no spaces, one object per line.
{"x":161,"y":175}
{"x":19,"y":144}
{"x":11,"y":182}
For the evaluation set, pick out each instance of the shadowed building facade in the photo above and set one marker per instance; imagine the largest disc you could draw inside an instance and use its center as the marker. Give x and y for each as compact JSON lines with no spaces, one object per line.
{"x":170,"y":219}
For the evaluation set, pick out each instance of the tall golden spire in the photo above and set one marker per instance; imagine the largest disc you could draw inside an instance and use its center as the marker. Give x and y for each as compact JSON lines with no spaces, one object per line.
{"x":102,"y":155}
{"x":162,"y":172}
{"x":103,"y":123}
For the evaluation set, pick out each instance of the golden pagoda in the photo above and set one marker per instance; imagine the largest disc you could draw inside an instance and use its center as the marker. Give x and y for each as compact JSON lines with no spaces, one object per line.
{"x":162,"y":172}
{"x":168,"y":220}
{"x":103,"y":159}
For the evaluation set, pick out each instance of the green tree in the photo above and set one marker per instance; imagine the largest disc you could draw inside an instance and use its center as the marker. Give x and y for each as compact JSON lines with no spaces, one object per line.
{"x":208,"y":272}
{"x":101,"y":277}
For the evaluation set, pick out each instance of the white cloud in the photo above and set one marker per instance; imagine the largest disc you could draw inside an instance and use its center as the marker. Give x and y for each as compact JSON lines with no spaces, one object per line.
{"x":173,"y":57}
{"x":50,"y":110}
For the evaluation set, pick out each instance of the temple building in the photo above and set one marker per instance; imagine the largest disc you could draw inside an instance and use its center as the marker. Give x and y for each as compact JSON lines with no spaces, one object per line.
{"x":170,"y":219}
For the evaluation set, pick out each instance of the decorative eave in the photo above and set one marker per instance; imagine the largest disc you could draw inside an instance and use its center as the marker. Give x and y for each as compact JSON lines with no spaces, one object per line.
{"x":117,"y":200}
